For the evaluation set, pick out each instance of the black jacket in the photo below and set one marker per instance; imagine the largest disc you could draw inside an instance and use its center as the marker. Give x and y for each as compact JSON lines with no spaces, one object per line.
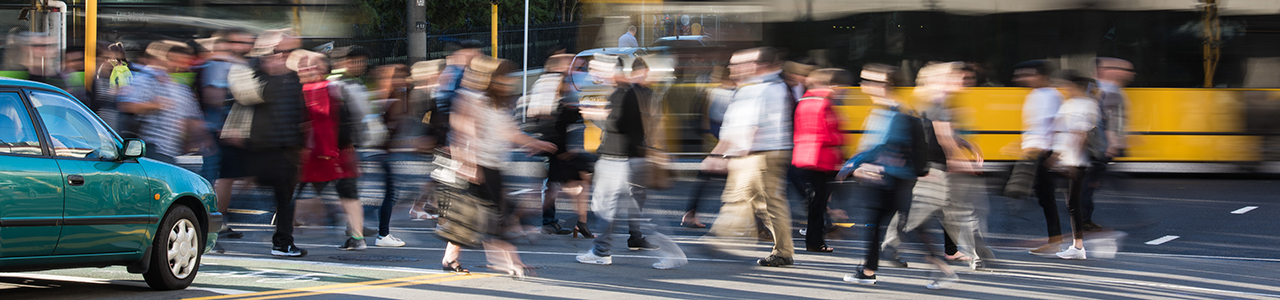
{"x":624,"y":128}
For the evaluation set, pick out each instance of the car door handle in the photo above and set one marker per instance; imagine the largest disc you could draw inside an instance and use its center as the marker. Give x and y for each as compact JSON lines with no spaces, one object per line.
{"x":75,"y":180}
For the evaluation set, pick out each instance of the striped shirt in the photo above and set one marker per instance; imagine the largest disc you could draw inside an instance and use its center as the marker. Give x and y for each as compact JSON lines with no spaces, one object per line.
{"x":163,"y":129}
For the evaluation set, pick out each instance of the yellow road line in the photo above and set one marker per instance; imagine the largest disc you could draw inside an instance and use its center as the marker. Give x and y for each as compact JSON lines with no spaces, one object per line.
{"x":371,"y":287}
{"x":326,"y":287}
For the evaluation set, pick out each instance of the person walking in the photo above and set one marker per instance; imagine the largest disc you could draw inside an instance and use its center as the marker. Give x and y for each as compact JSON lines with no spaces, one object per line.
{"x":1076,"y":120}
{"x":165,"y":111}
{"x":1113,"y":75}
{"x":1038,"y":113}
{"x":620,"y":172}
{"x":391,"y":93}
{"x":628,"y":40}
{"x":755,"y":148}
{"x":549,"y":113}
{"x":946,"y":193}
{"x":425,"y":76}
{"x":889,"y":161}
{"x":224,"y":164}
{"x":330,"y":156}
{"x":276,"y":138}
{"x":483,"y":129}
{"x":817,"y":148}
{"x":717,"y":102}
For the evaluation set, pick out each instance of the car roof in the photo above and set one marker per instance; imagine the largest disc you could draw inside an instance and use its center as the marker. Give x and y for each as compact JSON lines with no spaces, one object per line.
{"x":683,"y":37}
{"x":12,"y":82}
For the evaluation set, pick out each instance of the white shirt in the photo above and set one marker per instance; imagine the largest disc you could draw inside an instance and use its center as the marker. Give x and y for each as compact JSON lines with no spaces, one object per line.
{"x":1037,"y":117}
{"x":758,"y":119}
{"x":1075,"y":119}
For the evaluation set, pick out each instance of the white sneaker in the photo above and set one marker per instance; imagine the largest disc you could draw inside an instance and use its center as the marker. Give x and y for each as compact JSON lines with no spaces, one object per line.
{"x":389,"y":241}
{"x":942,"y":281}
{"x":669,"y":263}
{"x":591,"y":258}
{"x":1071,"y":253}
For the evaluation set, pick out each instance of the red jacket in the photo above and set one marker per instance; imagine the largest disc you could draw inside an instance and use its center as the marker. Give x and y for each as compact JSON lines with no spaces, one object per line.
{"x":325,"y":160}
{"x":817,"y":133}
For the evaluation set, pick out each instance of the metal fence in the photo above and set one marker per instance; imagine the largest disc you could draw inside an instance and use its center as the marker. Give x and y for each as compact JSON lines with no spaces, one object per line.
{"x":542,"y":39}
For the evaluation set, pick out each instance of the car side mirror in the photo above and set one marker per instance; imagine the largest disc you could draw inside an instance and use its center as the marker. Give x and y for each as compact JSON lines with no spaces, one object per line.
{"x":134,"y":148}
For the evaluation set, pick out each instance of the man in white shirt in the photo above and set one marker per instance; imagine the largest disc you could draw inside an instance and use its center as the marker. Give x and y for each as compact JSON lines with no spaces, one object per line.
{"x":756,"y":146}
{"x":1038,"y":113}
{"x":628,"y":39}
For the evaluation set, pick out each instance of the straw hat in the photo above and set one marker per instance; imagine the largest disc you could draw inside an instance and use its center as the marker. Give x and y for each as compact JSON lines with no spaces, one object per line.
{"x":480,"y":73}
{"x":425,"y":69}
{"x":796,"y":68}
{"x":160,"y":49}
{"x":295,"y":59}
{"x":268,"y":40}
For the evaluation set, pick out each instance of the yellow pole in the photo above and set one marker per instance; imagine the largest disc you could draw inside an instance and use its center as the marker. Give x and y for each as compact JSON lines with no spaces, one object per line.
{"x":90,"y":42}
{"x":494,"y":29}
{"x":1212,"y":35}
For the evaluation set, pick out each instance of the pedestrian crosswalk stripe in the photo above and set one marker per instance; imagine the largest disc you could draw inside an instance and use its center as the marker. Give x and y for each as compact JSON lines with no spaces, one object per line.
{"x":1243,"y":210}
{"x":1162,"y":240}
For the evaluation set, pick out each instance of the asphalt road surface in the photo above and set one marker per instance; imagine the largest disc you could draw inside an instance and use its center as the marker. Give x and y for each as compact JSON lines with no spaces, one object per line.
{"x":1182,"y":237}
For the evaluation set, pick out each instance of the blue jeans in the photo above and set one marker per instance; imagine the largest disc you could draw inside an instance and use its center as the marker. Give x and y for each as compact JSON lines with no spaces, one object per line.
{"x":211,"y":165}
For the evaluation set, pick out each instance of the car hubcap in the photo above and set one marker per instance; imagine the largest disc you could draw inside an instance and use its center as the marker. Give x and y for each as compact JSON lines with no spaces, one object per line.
{"x":183,"y":240}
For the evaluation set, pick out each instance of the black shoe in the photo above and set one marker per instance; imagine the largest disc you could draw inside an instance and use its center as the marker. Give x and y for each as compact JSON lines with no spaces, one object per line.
{"x":860,"y":278}
{"x":353,"y":244}
{"x":1091,"y":226}
{"x":893,"y":263}
{"x":641,"y":244}
{"x":289,"y":250}
{"x":776,"y":261}
{"x":230,"y":234}
{"x":581,"y":228}
{"x":554,"y":228}
{"x":823,"y":248}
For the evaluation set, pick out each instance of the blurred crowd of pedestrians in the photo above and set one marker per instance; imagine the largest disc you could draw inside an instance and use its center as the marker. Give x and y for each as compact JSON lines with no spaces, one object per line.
{"x":261,"y":110}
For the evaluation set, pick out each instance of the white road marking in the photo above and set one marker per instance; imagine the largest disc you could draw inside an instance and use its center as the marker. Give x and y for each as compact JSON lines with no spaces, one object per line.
{"x":1162,"y":240}
{"x":1243,"y":210}
{"x":522,"y":191}
{"x":1061,"y":279}
{"x":842,"y":265}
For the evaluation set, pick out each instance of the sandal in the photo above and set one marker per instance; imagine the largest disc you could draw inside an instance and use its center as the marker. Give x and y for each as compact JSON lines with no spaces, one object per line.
{"x":415,"y":215}
{"x":454,"y":267}
{"x":957,"y":257}
{"x":690,"y":220}
{"x":824,"y":248}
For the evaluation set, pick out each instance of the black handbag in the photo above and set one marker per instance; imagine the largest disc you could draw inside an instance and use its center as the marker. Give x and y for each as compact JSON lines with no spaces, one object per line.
{"x":1022,"y":179}
{"x":468,"y":218}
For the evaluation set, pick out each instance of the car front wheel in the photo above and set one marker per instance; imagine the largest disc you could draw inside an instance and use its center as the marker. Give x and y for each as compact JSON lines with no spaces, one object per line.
{"x":175,"y":256}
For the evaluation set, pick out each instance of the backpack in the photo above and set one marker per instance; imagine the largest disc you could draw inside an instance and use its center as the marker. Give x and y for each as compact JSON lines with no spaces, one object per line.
{"x":920,"y":141}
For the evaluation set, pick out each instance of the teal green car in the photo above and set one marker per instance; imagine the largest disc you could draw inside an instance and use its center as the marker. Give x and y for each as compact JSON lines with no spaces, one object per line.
{"x":74,"y":194}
